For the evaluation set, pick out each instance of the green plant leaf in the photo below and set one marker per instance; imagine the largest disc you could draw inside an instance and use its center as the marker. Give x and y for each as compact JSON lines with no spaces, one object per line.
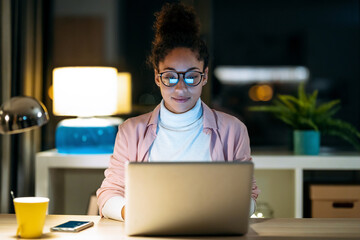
{"x":287,"y":99}
{"x":301,"y":93}
{"x":326,"y":108}
{"x":307,"y":124}
{"x":345,"y":127}
{"x":350,"y":139}
{"x":287,"y":120}
{"x":312,"y":101}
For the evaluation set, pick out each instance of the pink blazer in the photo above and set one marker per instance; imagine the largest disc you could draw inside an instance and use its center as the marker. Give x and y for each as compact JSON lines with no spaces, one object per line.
{"x":229,"y":142}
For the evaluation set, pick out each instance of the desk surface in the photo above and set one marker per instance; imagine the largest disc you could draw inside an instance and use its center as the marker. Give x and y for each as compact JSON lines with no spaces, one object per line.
{"x":268,"y":229}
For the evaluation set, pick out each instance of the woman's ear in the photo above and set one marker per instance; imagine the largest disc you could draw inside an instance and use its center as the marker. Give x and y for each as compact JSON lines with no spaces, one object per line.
{"x":157,"y":78}
{"x":205,"y":78}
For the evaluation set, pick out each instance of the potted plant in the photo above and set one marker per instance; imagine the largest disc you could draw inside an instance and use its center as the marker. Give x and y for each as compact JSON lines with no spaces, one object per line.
{"x":309,"y":119}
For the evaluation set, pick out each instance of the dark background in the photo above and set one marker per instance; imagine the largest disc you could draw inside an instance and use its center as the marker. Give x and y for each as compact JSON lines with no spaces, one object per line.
{"x":320,"y":35}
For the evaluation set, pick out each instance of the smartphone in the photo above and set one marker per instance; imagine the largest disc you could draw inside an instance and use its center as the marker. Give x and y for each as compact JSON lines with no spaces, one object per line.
{"x":72,"y":226}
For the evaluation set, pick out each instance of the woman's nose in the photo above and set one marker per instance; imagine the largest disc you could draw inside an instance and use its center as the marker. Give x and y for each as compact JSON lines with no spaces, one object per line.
{"x":181,"y":84}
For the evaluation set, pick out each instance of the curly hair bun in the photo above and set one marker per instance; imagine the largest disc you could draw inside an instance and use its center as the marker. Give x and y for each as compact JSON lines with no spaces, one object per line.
{"x":176,"y":20}
{"x":176,"y":25}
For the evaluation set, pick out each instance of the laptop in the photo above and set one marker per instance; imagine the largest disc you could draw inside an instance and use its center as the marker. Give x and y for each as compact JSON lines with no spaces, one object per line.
{"x":188,"y":198}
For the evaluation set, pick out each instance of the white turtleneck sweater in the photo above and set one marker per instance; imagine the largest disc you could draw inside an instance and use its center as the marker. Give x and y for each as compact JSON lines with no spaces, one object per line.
{"x":180,"y":137}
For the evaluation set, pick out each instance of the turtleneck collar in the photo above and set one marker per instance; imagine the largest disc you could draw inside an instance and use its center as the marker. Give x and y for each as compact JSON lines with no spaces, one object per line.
{"x":174,"y":120}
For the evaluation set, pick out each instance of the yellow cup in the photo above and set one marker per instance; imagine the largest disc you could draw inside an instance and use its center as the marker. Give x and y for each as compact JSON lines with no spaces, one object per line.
{"x":30,"y":215}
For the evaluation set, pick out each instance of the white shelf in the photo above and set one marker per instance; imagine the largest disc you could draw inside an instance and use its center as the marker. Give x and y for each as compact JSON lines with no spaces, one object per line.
{"x":51,"y":160}
{"x":321,"y":162}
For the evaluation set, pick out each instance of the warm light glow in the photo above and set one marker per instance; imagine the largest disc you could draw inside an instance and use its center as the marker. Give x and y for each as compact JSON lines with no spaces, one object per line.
{"x":85,"y":91}
{"x":91,"y":122}
{"x":51,"y":92}
{"x":257,"y":215}
{"x":237,"y":74}
{"x":261,"y":93}
{"x":124,"y":102}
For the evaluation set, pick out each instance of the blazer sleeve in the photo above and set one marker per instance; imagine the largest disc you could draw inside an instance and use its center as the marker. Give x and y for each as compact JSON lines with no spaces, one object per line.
{"x":243,"y":153}
{"x":114,"y":182}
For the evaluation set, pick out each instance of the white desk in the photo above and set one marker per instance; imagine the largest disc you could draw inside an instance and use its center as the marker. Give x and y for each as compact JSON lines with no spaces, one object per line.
{"x":50,"y":160}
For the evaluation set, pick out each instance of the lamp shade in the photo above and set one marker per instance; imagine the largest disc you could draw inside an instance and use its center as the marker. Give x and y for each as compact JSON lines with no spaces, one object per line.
{"x":124,"y":93}
{"x":20,"y":114}
{"x":85,"y":91}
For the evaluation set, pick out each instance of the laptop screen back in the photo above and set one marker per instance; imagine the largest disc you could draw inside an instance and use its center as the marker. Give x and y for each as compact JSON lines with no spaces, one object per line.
{"x":182,"y":198}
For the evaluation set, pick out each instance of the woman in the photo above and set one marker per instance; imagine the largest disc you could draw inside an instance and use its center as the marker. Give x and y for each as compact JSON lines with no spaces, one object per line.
{"x":181,"y":127}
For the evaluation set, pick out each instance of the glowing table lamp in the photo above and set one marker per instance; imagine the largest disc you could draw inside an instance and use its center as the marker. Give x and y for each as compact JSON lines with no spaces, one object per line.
{"x":86,"y":92}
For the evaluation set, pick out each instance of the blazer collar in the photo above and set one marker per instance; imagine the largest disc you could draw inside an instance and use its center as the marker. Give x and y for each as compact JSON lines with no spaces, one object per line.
{"x":209,"y":121}
{"x":150,"y":134}
{"x":154,"y":117}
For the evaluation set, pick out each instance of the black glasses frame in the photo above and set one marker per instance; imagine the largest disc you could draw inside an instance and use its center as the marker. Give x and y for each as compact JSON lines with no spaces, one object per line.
{"x":178,"y":76}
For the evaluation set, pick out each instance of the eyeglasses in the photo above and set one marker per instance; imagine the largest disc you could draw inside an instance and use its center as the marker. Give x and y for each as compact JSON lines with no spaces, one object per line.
{"x":171,"y":78}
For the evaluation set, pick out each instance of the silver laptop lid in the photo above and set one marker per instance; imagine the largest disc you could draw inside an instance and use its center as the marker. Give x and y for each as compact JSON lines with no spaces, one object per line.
{"x":182,"y":198}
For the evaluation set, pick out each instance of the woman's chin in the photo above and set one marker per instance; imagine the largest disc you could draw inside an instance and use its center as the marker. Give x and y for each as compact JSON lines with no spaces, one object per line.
{"x":180,"y":106}
{"x":179,"y":109}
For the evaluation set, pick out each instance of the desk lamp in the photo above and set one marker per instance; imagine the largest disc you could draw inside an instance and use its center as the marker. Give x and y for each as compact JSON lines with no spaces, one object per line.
{"x":20,"y":114}
{"x":91,"y":94}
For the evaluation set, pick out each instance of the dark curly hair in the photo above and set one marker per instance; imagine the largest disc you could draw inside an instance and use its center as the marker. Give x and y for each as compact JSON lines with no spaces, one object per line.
{"x":176,"y":25}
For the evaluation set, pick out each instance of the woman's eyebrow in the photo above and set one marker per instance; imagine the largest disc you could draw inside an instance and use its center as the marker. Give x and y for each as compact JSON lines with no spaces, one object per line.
{"x":189,"y":69}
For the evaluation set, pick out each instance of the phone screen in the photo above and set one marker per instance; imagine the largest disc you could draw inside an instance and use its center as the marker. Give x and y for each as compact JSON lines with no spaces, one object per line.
{"x":72,"y":226}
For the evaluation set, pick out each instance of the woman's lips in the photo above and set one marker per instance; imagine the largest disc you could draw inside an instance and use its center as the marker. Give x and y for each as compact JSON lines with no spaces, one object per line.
{"x":180,"y":99}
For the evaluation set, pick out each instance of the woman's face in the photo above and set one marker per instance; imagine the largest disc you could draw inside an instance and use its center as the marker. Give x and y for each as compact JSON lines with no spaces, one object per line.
{"x":181,"y":97}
